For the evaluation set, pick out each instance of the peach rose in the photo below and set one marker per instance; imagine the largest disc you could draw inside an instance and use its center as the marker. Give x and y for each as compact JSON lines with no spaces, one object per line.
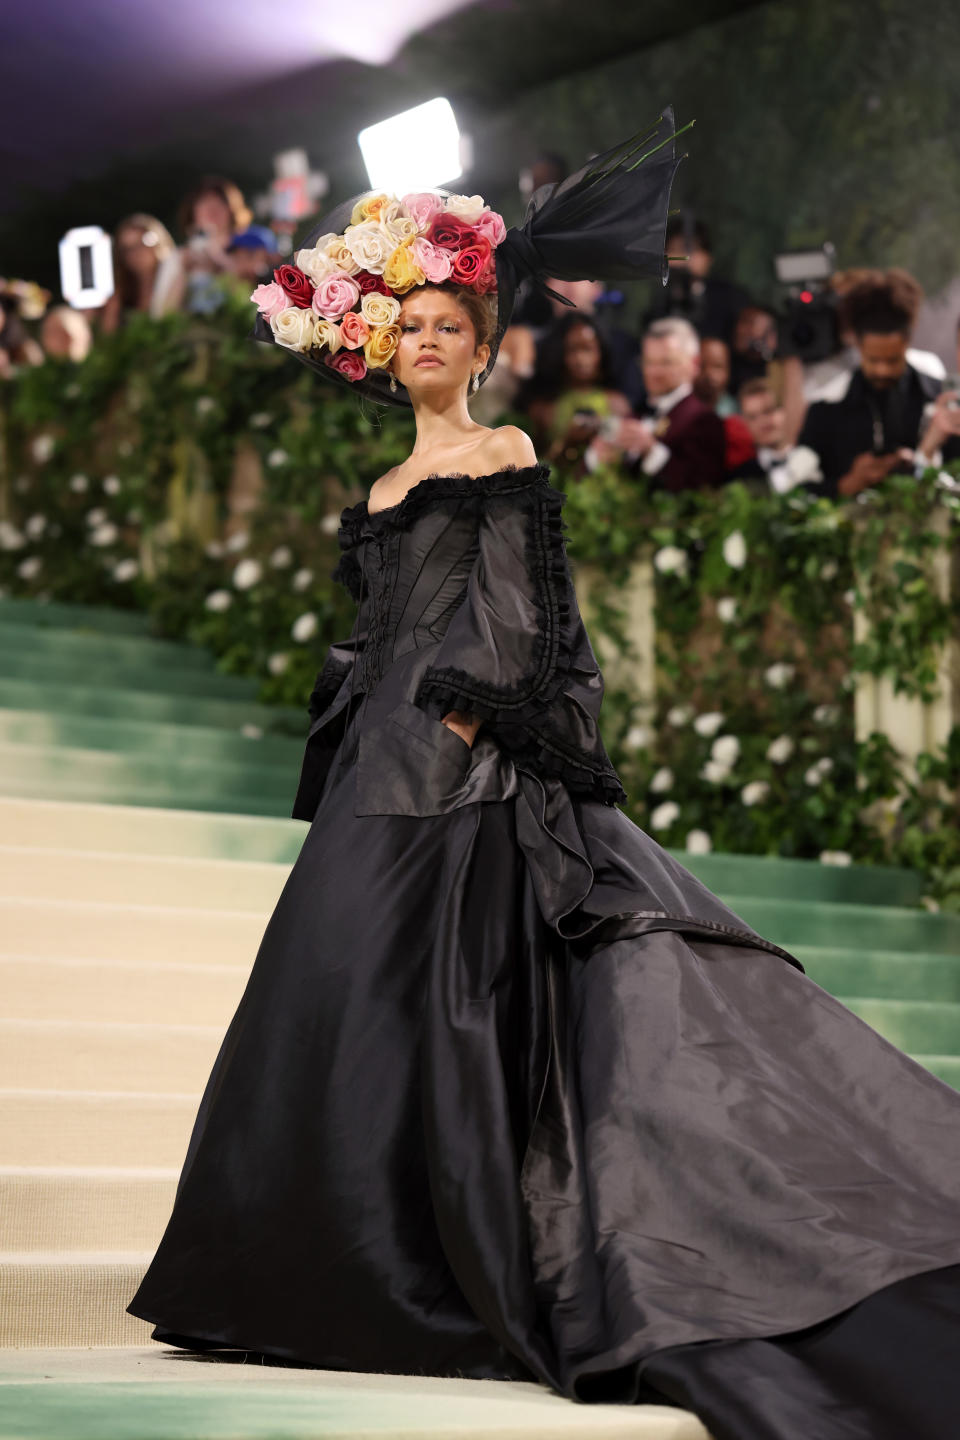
{"x":354,"y":330}
{"x":381,"y":344}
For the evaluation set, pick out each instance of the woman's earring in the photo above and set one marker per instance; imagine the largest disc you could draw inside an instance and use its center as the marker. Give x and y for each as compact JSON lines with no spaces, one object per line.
{"x":393,"y":382}
{"x":476,"y":381}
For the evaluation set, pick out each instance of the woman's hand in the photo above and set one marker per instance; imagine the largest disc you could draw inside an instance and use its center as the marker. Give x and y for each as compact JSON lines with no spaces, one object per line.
{"x":463,"y":724}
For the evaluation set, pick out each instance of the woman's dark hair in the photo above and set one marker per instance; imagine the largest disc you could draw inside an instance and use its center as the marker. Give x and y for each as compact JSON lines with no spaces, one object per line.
{"x":550,"y":379}
{"x":229,"y":193}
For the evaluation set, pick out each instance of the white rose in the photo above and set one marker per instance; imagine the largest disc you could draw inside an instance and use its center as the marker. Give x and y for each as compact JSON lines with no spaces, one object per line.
{"x":302,"y":579}
{"x":219,"y":600}
{"x":10,"y":537}
{"x":126,"y":570}
{"x":295,"y":328}
{"x":247,"y":573}
{"x":281,"y":557}
{"x":714,"y":772}
{"x":330,"y":523}
{"x":111,"y":484}
{"x":35,"y":526}
{"x":780,"y":749}
{"x":778,"y":675}
{"x":727,"y":609}
{"x":304,"y":627}
{"x":754,"y":793}
{"x":315,"y":262}
{"x":79,"y":483}
{"x":637,"y":737}
{"x":29,"y":567}
{"x":371,"y":245}
{"x":679,"y":715}
{"x":278,"y":662}
{"x":379,"y":309}
{"x":42,"y":448}
{"x":835,"y":857}
{"x":96,"y":517}
{"x":465,"y":207}
{"x":671,"y":560}
{"x":725,"y":750}
{"x":698,"y":842}
{"x":664,"y":815}
{"x":708,"y":723}
{"x":398,"y":223}
{"x":104,"y":534}
{"x":277,"y":457}
{"x":735,"y":550}
{"x":251,"y":732}
{"x":662,"y":780}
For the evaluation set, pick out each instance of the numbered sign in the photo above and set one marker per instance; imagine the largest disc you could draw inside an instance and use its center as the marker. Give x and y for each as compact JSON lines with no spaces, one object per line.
{"x":86,"y":267}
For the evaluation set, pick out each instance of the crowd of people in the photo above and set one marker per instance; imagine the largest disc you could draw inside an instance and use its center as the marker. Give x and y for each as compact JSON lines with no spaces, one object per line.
{"x":706,"y":389}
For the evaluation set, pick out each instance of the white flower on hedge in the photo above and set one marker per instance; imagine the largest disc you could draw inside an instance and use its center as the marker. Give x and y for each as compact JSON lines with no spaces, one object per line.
{"x":79,"y":483}
{"x":664,"y":815}
{"x":826,"y":714}
{"x":304,"y":627}
{"x":330,"y":523}
{"x":755,"y":793}
{"x":835,"y":857}
{"x":104,"y":534}
{"x":815,"y":772}
{"x":850,"y":597}
{"x":10,"y":537}
{"x":725,"y":750}
{"x":714,"y":772}
{"x":662,"y":780}
{"x":35,"y":525}
{"x":205,"y":404}
{"x":281,"y":557}
{"x":727,"y":609}
{"x":829,"y":569}
{"x":277,"y":457}
{"x":214,"y":549}
{"x":126,"y":570}
{"x":278,"y":662}
{"x":42,"y":447}
{"x":638,"y":737}
{"x":302,"y":579}
{"x":780,"y":749}
{"x":779,"y":675}
{"x":96,"y":517}
{"x":679,"y":715}
{"x":218,"y":600}
{"x":261,"y":420}
{"x":237,"y":541}
{"x":801,"y":467}
{"x":698,"y":842}
{"x":247,"y":573}
{"x":111,"y":484}
{"x":735,"y":550}
{"x":251,"y":732}
{"x":708,"y":723}
{"x":671,"y":560}
{"x":29,"y":567}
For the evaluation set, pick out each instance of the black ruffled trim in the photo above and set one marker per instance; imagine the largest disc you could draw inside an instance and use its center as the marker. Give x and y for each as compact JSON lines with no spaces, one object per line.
{"x":347,"y":573}
{"x":326,"y":685}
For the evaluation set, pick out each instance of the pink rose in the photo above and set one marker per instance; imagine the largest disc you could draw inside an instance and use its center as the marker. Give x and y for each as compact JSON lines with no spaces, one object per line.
{"x":270,"y":299}
{"x":423,"y":207}
{"x":435,"y":263}
{"x":490,"y":225}
{"x":354,"y":330}
{"x":348,"y":363}
{"x":334,"y":294}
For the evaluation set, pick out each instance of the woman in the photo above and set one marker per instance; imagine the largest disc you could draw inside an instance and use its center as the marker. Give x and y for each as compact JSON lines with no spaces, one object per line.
{"x":572,"y":389}
{"x":143,"y":250}
{"x":509,"y":1093}
{"x":210,"y":215}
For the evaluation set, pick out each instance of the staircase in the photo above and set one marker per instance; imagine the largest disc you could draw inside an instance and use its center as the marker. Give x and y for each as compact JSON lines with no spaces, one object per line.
{"x":144,"y":841}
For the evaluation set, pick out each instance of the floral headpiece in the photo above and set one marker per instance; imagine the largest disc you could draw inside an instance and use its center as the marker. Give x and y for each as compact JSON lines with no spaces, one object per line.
{"x":340,"y":297}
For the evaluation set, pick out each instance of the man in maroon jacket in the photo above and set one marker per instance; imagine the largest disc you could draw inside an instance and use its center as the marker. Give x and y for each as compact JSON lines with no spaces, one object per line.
{"x":682,"y":442}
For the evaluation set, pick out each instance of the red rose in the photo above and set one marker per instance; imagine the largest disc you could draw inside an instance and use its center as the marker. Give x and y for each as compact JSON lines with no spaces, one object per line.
{"x":294,"y":283}
{"x":472,"y":262}
{"x":486,"y":281}
{"x":452,"y":233}
{"x":368,"y":283}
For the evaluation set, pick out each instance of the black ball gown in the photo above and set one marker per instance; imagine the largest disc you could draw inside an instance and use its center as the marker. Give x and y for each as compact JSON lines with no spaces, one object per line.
{"x":509,"y":1092}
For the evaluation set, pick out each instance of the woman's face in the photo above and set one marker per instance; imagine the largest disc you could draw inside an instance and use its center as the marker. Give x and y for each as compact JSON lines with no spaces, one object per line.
{"x":581,"y":355}
{"x":212,"y":215}
{"x":135,"y":253}
{"x":437,"y":349}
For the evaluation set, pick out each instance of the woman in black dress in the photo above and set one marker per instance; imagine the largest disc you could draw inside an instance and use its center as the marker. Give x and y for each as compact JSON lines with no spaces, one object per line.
{"x":510,"y":1093}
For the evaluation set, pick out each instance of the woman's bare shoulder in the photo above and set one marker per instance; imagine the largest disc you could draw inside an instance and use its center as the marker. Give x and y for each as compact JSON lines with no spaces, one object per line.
{"x":508,"y":445}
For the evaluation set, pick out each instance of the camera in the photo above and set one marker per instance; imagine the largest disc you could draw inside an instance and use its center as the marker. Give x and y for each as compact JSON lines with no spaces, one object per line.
{"x":807,"y":323}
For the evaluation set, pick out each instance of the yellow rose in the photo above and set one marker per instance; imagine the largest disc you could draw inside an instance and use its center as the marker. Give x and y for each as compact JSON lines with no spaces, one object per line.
{"x":329,"y":334}
{"x":368,"y":209}
{"x":381,"y":345}
{"x":379,"y":309}
{"x":340,"y":255}
{"x":401,"y":271}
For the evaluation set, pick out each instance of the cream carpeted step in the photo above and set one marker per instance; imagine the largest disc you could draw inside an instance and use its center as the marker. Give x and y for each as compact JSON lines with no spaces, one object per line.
{"x":71,"y":1128}
{"x":91,"y":930}
{"x":62,"y":873}
{"x":85,"y":1208}
{"x":169,"y":993}
{"x":75,"y":1055}
{"x":70,"y":1297}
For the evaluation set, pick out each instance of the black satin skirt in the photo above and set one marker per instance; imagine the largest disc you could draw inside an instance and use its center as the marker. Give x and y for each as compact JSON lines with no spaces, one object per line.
{"x":437,"y":1142}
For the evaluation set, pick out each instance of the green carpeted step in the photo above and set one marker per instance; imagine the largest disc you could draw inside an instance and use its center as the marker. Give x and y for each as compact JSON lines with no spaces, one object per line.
{"x":133,"y":672}
{"x":82,"y":789}
{"x":63,"y":646}
{"x":848,"y":927}
{"x":149,"y":704}
{"x":930,"y":1027}
{"x":885,"y":974}
{"x":945,"y":1067}
{"x":58,"y":762}
{"x":155,"y":738}
{"x":103,"y":619}
{"x":804,"y":879}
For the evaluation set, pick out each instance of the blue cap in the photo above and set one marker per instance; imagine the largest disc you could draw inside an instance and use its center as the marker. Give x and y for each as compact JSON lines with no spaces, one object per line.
{"x":257,"y":237}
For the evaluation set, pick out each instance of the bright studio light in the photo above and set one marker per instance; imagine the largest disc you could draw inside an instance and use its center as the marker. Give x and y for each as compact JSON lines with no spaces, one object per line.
{"x":418,"y":149}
